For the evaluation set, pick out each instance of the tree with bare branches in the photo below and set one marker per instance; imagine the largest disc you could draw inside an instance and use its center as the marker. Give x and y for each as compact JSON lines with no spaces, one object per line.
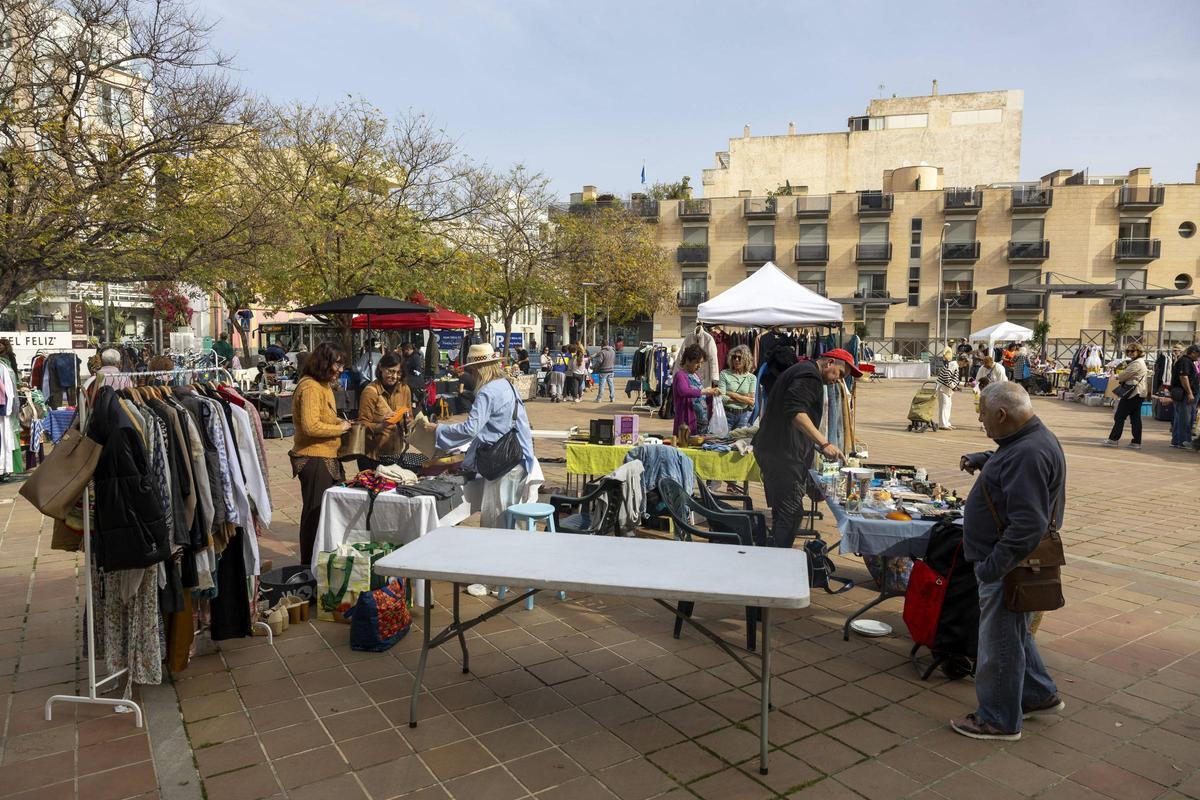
{"x":97,"y":99}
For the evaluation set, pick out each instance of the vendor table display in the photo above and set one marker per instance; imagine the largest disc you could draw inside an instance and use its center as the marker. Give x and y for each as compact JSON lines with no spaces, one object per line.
{"x":916,"y":370}
{"x":711,"y":465}
{"x":887,"y":544}
{"x":395,"y":519}
{"x":650,"y":568}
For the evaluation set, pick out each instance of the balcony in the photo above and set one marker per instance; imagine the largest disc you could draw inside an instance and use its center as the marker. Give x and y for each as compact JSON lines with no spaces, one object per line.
{"x":1023,"y":302}
{"x":960,"y":252}
{"x":695,"y":210}
{"x":875,"y":204}
{"x":1137,"y":251}
{"x":812,"y":253}
{"x":873,"y":294}
{"x":873,"y":253}
{"x":691,"y":254}
{"x":1031,"y":252}
{"x":645,"y":208}
{"x":758,"y":254}
{"x":690,"y":299}
{"x":759,"y":207}
{"x":1140,"y":198}
{"x":961,"y":301}
{"x":1032,"y":198}
{"x":962,"y":201}
{"x":813,"y":206}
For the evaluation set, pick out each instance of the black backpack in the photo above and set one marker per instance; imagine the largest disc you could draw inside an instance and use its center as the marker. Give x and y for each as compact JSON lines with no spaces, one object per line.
{"x":956,"y":639}
{"x":821,"y":568}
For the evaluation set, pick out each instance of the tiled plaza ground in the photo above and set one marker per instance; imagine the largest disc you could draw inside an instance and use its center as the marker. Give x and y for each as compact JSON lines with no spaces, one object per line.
{"x":592,"y":698}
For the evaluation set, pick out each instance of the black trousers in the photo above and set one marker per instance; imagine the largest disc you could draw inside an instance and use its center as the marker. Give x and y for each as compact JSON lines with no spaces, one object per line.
{"x":787,"y":486}
{"x":1131,"y":408}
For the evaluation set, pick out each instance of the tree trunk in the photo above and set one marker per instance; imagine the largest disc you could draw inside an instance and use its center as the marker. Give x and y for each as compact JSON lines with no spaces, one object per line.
{"x":508,"y":320}
{"x":236,"y":324}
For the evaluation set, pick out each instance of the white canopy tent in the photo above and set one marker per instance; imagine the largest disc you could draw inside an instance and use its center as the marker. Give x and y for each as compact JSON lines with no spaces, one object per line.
{"x":1003,"y":332}
{"x":769,"y":297}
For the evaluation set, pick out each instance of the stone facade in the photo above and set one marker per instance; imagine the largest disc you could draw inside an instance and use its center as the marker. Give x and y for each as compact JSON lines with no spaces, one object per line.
{"x":975,"y":137}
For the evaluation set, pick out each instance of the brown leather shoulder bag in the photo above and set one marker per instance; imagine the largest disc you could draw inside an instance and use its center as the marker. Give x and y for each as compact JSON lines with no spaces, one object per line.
{"x":1035,"y":584}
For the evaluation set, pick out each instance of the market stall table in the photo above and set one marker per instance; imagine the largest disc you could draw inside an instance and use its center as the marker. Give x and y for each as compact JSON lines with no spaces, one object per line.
{"x":650,"y":568}
{"x":915,"y":370}
{"x":885,"y":538}
{"x":711,"y":465}
{"x":395,"y":519}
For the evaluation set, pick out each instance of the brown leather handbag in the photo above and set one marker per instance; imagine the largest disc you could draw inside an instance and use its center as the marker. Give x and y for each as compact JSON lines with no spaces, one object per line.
{"x":1035,"y":584}
{"x":354,"y":442}
{"x":55,"y":486}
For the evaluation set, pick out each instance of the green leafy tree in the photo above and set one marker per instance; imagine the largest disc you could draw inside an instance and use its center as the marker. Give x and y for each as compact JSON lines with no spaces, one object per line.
{"x":680,"y":190}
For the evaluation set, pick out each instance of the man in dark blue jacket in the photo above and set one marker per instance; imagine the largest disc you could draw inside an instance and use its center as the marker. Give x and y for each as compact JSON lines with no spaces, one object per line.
{"x":1025,"y":478}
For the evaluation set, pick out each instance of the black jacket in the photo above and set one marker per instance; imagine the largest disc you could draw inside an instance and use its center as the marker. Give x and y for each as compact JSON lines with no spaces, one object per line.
{"x":131,"y":531}
{"x":1026,"y":478}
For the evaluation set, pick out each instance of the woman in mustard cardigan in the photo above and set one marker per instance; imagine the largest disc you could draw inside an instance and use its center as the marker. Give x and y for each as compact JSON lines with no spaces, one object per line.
{"x":318,"y":434}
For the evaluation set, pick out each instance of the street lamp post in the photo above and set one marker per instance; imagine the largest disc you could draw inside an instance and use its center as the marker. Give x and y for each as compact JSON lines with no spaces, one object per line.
{"x":941,"y":251}
{"x":585,"y":286}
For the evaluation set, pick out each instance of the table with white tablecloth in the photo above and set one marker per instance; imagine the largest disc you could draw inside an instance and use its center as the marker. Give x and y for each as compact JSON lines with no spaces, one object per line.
{"x":913,"y":370}
{"x":396,"y":519}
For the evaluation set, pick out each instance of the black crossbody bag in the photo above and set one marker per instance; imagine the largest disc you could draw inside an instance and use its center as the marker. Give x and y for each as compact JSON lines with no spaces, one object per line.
{"x":495,"y":460}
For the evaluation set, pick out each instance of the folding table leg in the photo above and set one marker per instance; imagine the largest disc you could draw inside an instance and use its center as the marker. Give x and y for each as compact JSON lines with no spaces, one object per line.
{"x":764,"y":691}
{"x":412,"y":703}
{"x":462,"y":639}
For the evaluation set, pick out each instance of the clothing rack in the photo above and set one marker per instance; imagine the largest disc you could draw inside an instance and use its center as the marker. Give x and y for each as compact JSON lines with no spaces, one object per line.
{"x":123,"y":705}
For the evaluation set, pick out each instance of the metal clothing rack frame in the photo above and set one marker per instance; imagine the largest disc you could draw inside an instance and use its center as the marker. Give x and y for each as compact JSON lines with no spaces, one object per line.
{"x":120,"y":705}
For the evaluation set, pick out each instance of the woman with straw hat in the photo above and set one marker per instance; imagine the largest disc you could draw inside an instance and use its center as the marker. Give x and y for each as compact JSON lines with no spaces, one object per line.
{"x":491,"y":417}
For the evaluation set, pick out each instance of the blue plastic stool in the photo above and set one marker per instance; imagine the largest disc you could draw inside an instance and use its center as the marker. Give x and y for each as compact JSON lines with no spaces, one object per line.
{"x":531,"y":513}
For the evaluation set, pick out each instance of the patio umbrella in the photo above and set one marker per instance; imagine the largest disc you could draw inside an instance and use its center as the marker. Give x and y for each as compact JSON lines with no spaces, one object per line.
{"x":366,"y":303}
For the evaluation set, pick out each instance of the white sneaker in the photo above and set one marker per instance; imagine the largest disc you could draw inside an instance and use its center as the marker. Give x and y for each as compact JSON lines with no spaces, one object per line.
{"x":1133,"y":446}
{"x":1109,"y":443}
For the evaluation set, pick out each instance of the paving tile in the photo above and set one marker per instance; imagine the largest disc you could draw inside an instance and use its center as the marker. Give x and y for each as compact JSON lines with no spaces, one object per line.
{"x":351,"y":724}
{"x":615,"y":710}
{"x":635,"y":780}
{"x":293,"y":739}
{"x":565,"y":726}
{"x":261,"y":694}
{"x":109,"y":755}
{"x":647,"y":734}
{"x":280,"y":715}
{"x":218,"y":729}
{"x":584,"y":788}
{"x":127,"y":781}
{"x":395,"y":777}
{"x":460,"y":758}
{"x":925,"y":766}
{"x":732,"y":744}
{"x":230,"y":756}
{"x":599,"y":750}
{"x":865,"y":736}
{"x":36,"y":773}
{"x":433,"y":732}
{"x":374,"y":748}
{"x":488,"y":784}
{"x":544,"y":769}
{"x":309,"y":767}
{"x":694,"y":719}
{"x":1116,"y":782}
{"x":36,"y":745}
{"x":731,"y":783}
{"x":343,"y":787}
{"x":687,"y":761}
{"x":878,"y":782}
{"x":210,"y":705}
{"x":787,"y":773}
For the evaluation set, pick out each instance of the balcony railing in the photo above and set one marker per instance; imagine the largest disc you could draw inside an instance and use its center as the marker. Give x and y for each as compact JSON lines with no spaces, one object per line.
{"x":815,"y":205}
{"x":873,"y":253}
{"x":759,"y":207}
{"x":873,"y":294}
{"x":872,"y":204}
{"x":1032,"y":198}
{"x":691,"y":254}
{"x":953,"y":300}
{"x":645,"y":208}
{"x":960,"y":251}
{"x":1023,"y":302}
{"x":1029,"y":251}
{"x":698,"y":209}
{"x":812,"y":253}
{"x":1140,"y":196}
{"x":962,"y":201}
{"x":690,"y":299}
{"x":1137,"y":249}
{"x":758,"y":253}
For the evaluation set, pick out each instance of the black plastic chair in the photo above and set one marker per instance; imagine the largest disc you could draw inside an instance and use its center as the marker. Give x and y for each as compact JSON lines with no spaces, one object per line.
{"x":759,"y":530}
{"x":724,"y":527}
{"x":595,"y":513}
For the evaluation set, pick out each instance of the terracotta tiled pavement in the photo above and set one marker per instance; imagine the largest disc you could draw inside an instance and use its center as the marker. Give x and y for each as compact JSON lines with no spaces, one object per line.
{"x":592,"y":698}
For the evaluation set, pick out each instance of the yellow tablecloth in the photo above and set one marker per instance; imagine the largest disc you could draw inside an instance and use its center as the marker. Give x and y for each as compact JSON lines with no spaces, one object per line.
{"x":601,"y":459}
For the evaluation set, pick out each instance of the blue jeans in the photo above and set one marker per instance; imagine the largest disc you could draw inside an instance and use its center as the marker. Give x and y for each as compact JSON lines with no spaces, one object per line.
{"x":601,"y":379}
{"x":1183,"y":414}
{"x":1008,"y":671}
{"x":738,"y":419}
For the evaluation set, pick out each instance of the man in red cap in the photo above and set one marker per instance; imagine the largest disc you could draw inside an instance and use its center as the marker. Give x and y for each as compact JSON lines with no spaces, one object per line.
{"x":789,"y":435}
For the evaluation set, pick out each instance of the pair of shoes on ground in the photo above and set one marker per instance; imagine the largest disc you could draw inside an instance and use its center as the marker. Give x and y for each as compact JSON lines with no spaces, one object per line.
{"x":975,"y":728}
{"x":1113,"y":443}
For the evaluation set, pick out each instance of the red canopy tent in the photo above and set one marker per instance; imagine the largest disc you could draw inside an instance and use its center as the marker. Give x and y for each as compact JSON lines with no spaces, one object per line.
{"x":440,"y":319}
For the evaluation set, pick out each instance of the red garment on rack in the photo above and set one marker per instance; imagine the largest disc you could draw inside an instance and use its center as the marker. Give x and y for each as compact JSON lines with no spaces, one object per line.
{"x":723,"y":348}
{"x":37,"y":368}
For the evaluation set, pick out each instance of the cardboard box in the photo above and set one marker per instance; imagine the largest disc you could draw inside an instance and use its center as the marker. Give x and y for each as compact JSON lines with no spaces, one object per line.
{"x":625,"y":428}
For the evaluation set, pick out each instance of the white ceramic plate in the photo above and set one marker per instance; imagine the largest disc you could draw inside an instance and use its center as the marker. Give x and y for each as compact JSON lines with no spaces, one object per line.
{"x":870,"y":627}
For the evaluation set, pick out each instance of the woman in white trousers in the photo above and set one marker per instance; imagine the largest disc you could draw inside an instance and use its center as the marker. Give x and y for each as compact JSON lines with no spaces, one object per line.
{"x":947,"y":382}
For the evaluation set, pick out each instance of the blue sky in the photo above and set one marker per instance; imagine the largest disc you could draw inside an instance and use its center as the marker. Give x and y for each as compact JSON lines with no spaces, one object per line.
{"x":585,"y":92}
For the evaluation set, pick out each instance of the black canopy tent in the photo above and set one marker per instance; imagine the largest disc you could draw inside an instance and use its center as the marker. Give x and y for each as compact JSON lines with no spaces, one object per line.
{"x":365,"y":303}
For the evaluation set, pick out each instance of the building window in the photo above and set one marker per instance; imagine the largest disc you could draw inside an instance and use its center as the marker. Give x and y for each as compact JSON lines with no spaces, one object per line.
{"x":1028,"y":229}
{"x":687,"y":324}
{"x":1134,"y":229}
{"x":958,"y":327}
{"x":695,"y":235}
{"x":1131,"y":278}
{"x":983,"y":116}
{"x":872,"y":233}
{"x":760,"y":235}
{"x":813,"y":280}
{"x":1187,"y":229}
{"x":872,"y":284}
{"x":961,"y":231}
{"x":957,"y":281}
{"x":914,"y":262}
{"x":1183,"y":281}
{"x":814,"y":233}
{"x":906,"y":121}
{"x":115,"y":106}
{"x":695,"y":283}
{"x":1181,"y":331}
{"x":866,"y":123}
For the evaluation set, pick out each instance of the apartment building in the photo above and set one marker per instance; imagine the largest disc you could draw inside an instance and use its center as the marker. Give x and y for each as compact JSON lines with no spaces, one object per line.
{"x":975,"y":137}
{"x":916,"y":242}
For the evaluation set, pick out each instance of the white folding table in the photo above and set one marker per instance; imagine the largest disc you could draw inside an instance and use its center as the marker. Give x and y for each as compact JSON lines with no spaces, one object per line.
{"x":662,"y":570}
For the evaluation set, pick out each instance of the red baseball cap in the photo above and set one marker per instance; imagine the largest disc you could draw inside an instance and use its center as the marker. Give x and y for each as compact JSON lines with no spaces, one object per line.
{"x":842,"y":355}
